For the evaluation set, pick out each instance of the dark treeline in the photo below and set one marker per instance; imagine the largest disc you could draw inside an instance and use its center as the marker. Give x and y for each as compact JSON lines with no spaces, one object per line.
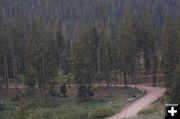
{"x":86,"y":11}
{"x":42,"y":40}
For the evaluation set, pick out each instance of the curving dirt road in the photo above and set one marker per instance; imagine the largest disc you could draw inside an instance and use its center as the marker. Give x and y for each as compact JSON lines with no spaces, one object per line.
{"x":153,"y":93}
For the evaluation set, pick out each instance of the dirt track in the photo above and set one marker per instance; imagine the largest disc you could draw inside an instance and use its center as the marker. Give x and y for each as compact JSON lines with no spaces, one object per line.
{"x":153,"y":93}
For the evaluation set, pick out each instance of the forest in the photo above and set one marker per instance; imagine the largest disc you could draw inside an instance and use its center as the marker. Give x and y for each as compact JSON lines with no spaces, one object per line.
{"x":48,"y":47}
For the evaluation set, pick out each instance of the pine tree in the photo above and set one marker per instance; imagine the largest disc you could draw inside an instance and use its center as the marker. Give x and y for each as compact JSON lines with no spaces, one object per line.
{"x":175,"y":90}
{"x":85,"y":56}
{"x":129,"y":47}
{"x":169,"y":56}
{"x":85,"y":59}
{"x":40,"y":64}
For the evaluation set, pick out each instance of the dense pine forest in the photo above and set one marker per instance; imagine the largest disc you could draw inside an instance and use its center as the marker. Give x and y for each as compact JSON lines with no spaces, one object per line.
{"x":47,"y":44}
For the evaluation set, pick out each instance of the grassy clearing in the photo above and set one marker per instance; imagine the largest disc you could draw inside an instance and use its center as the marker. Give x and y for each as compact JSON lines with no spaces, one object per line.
{"x":106,"y":102}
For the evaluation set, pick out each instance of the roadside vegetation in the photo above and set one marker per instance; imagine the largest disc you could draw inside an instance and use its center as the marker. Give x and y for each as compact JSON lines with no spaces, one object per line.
{"x":106,"y":102}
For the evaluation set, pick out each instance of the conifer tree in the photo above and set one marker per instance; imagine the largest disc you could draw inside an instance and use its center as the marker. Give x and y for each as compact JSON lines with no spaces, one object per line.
{"x":85,"y":60}
{"x":169,"y":56}
{"x":129,"y":47}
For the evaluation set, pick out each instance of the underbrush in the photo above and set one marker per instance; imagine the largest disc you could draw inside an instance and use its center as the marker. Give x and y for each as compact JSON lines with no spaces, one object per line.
{"x":106,"y":102}
{"x":64,"y":113}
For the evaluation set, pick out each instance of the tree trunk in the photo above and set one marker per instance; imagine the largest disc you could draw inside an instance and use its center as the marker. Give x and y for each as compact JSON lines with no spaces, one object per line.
{"x":6,"y":71}
{"x":125,"y":79}
{"x":14,"y":67}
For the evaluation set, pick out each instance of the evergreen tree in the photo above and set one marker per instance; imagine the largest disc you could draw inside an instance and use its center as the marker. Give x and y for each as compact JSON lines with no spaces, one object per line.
{"x":41,"y":64}
{"x":129,"y":47}
{"x":85,"y":58}
{"x":169,"y":56}
{"x":175,"y":90}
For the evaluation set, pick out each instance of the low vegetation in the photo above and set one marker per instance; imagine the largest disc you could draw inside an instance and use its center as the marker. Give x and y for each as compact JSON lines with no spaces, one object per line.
{"x":147,"y":111}
{"x":105,"y":102}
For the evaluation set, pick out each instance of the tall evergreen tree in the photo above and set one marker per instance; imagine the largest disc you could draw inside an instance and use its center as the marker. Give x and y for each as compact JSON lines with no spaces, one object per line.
{"x":169,"y":56}
{"x":129,"y":47}
{"x":41,"y":64}
{"x":85,"y":60}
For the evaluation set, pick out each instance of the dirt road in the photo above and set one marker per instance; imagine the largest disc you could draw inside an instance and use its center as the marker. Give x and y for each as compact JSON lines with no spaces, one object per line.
{"x":153,"y":93}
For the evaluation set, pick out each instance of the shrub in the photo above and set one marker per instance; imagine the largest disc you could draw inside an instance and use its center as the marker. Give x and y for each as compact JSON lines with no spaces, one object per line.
{"x":82,"y":93}
{"x":63,"y":89}
{"x":90,"y":93}
{"x":53,"y":92}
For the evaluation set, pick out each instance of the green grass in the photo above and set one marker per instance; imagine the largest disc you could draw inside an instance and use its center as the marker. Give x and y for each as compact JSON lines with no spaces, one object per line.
{"x":147,"y":111}
{"x":64,"y":113}
{"x":105,"y":103}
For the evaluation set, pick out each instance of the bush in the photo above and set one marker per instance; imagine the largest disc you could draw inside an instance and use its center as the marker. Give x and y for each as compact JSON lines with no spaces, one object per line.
{"x":53,"y":92}
{"x":82,"y":93}
{"x":63,"y":89}
{"x":90,"y":93}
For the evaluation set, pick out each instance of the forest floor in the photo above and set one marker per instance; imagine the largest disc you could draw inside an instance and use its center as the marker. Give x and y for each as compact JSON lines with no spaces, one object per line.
{"x":153,"y":94}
